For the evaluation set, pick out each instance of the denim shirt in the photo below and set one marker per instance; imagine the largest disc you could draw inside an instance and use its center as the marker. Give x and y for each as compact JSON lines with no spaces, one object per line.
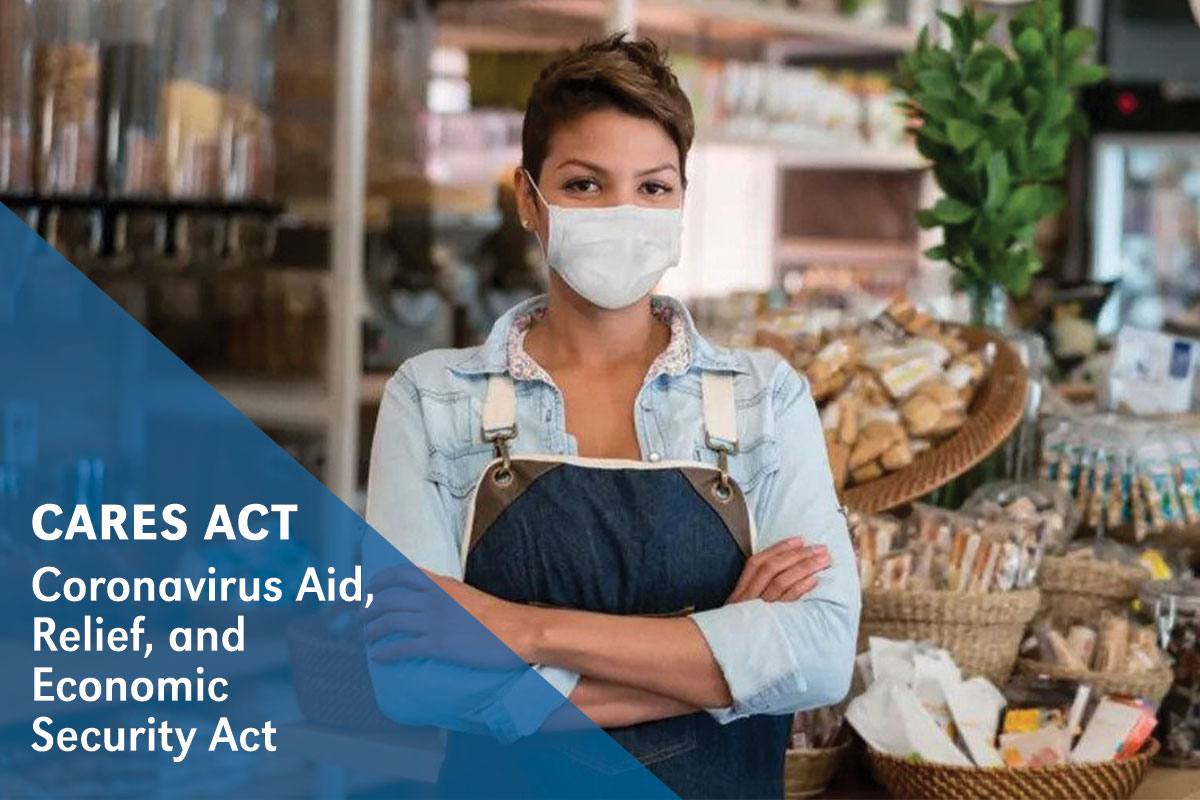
{"x":777,"y":658}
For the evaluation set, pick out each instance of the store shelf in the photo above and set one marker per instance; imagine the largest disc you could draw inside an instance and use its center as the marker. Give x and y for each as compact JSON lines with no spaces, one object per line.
{"x":728,"y":20}
{"x":279,"y":402}
{"x":300,"y":402}
{"x":858,"y":156}
{"x":855,"y":157}
{"x":16,"y":700}
{"x":801,"y":250}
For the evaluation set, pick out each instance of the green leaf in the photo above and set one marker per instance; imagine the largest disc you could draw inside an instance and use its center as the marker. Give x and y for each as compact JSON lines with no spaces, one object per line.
{"x":1031,"y":202}
{"x":1077,"y":42}
{"x":1087,"y":74}
{"x":1022,"y":205}
{"x":962,"y":134}
{"x":927,"y":219}
{"x":936,"y":107}
{"x":1031,"y":98}
{"x":949,"y":211}
{"x":936,"y":83}
{"x":1004,"y":110}
{"x":939,"y":253}
{"x":1049,"y":151}
{"x":999,"y":181}
{"x":1006,"y":131}
{"x":983,"y":154}
{"x":1030,"y":44}
{"x":1058,"y":105}
{"x":1015,"y":270}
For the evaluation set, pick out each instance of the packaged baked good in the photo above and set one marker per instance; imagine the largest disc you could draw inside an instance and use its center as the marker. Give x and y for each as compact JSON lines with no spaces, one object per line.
{"x":1082,"y":642}
{"x":1037,"y":504}
{"x":1112,"y":644}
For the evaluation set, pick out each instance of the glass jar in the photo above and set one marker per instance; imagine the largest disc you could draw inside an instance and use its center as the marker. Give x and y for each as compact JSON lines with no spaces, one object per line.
{"x":66,"y":89}
{"x":131,"y":70}
{"x":16,"y":90}
{"x":192,"y":104}
{"x":1173,"y":607}
{"x":247,"y":136}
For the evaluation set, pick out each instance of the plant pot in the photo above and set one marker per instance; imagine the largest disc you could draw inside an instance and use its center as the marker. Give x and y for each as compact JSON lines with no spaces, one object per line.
{"x":990,"y":305}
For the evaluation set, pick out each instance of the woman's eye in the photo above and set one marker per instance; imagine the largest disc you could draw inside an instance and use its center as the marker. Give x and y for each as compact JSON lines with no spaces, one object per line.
{"x":657,"y":188}
{"x":582,"y":186}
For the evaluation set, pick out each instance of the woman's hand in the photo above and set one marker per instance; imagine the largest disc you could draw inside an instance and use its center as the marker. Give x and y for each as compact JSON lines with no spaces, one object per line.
{"x":429,"y":621}
{"x":783,"y":572}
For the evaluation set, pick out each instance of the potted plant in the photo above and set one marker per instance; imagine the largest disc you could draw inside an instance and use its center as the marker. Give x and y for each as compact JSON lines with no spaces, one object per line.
{"x":996,"y":125}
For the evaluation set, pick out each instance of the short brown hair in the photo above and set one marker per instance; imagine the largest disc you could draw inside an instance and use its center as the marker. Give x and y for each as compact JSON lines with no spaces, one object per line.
{"x":614,"y":73}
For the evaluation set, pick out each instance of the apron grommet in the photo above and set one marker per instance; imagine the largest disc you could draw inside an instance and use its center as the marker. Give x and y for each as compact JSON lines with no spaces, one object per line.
{"x":502,"y":476}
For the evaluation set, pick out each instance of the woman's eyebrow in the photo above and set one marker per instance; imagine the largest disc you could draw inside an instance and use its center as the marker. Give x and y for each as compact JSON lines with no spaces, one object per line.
{"x":585,"y":164}
{"x":659,"y":168}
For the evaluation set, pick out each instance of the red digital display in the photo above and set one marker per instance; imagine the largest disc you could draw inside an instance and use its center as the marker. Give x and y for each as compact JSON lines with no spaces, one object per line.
{"x":1127,"y":103}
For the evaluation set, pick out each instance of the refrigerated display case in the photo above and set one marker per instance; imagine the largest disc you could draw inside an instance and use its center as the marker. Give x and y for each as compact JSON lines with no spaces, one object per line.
{"x":67,"y":87}
{"x":16,"y":90}
{"x":1146,"y":235}
{"x":131,"y":58}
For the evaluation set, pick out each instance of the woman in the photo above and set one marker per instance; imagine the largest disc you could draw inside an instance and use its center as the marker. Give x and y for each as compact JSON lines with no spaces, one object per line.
{"x":649,"y":519}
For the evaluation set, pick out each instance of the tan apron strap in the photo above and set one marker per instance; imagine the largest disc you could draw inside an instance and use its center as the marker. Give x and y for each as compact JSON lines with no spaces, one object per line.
{"x":720,"y":411}
{"x":500,"y":409}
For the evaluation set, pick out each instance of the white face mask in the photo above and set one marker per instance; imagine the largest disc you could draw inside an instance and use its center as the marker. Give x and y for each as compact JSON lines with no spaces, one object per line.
{"x":612,"y":257}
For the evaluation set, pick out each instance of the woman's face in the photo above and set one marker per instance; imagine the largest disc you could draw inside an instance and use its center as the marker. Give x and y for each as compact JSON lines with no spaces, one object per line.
{"x":604,"y":158}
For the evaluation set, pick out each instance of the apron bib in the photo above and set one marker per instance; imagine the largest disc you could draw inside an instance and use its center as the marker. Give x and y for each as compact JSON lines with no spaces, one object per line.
{"x":623,"y":537}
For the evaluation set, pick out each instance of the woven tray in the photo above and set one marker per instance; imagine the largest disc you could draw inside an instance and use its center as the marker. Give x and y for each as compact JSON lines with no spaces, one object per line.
{"x":994,"y":413}
{"x":806,"y":773}
{"x":1080,"y":590}
{"x":982,"y":631}
{"x":1108,"y":780}
{"x":1151,"y":685}
{"x":1091,"y":576}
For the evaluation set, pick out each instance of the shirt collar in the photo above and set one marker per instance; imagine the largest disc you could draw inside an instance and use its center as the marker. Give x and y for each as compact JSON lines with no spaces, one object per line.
{"x":491,"y":358}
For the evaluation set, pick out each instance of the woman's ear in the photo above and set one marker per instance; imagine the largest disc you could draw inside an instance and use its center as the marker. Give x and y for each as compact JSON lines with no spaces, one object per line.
{"x":527,"y":210}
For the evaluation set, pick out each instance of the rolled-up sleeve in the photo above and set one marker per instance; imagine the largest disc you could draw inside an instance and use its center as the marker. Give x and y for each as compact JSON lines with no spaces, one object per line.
{"x":404,"y":507}
{"x":780,"y":657}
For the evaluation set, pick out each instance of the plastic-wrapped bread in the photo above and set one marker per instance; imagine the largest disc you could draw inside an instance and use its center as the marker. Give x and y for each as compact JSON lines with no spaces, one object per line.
{"x":1112,"y":646}
{"x":1082,"y":641}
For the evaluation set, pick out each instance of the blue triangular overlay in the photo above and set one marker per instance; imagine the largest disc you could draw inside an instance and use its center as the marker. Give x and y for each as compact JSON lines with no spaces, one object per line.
{"x":96,"y":414}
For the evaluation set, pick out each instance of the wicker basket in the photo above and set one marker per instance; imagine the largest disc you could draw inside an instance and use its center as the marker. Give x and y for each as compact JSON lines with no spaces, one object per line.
{"x":806,"y":773}
{"x":981,"y":631}
{"x":1108,"y":780}
{"x":1079,"y":589}
{"x":995,"y":412}
{"x":333,"y":684}
{"x":1151,"y":685}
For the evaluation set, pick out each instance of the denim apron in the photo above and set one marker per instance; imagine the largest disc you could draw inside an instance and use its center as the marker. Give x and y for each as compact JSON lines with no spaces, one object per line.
{"x":622,"y":537}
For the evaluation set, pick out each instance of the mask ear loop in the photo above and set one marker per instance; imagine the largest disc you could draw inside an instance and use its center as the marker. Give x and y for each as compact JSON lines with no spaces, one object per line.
{"x":538,"y":192}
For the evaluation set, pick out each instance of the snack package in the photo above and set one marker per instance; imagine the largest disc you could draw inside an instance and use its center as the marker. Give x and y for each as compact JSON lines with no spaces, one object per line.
{"x":975,"y":707}
{"x":1143,"y":654}
{"x":1185,"y":465}
{"x":1038,"y":748}
{"x":904,"y":710}
{"x":1117,"y":729}
{"x":1081,"y":641}
{"x":1113,"y":643}
{"x":891,"y":719}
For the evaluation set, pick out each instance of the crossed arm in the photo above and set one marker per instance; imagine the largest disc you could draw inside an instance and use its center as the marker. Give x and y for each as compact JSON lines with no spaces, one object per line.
{"x":663,"y":667}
